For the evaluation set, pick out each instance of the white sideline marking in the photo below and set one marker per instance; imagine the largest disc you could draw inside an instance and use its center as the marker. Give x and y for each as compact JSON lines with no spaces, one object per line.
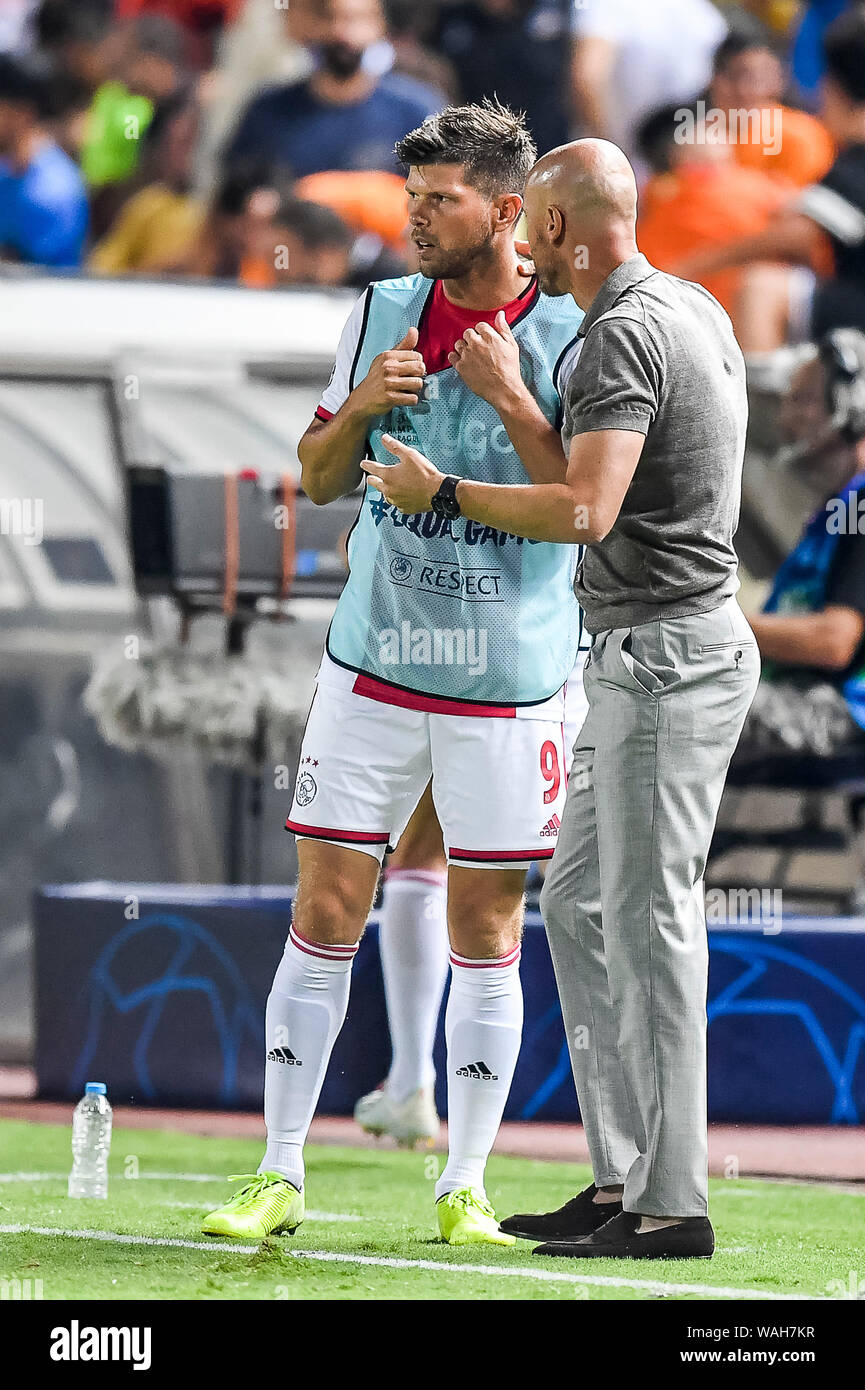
{"x":440,"y":1266}
{"x":142,"y":1177}
{"x":182,"y":1177}
{"x":311,"y":1215}
{"x":29,"y":1177}
{"x":326,"y":1217}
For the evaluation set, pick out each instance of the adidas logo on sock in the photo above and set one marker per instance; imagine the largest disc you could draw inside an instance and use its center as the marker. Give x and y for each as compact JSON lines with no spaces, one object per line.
{"x":477,"y":1071}
{"x":283,"y":1054}
{"x":552,"y":826}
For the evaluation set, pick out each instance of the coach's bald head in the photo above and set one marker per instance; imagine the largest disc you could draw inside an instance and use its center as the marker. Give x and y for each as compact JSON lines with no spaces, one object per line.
{"x":581,"y":213}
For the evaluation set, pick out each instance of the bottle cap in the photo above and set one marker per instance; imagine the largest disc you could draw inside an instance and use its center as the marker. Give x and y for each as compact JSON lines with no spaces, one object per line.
{"x":95,"y":1088}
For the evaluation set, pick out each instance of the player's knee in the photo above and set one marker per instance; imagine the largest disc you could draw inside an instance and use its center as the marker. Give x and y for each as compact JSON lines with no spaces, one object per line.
{"x":483,"y":930}
{"x":332,"y":913}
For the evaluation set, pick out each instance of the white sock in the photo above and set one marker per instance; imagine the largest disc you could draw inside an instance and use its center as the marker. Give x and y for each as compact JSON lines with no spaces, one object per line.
{"x":305,"y":1011}
{"x":483,"y":1027}
{"x":413,"y":941}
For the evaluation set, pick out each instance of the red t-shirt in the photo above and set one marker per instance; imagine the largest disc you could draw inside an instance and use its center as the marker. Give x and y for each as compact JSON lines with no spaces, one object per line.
{"x":442,"y":324}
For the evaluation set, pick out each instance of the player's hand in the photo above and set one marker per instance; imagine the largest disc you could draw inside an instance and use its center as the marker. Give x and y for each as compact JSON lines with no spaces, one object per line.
{"x":488,"y":361}
{"x":395,"y":378}
{"x":526,"y":266}
{"x":411,"y":483}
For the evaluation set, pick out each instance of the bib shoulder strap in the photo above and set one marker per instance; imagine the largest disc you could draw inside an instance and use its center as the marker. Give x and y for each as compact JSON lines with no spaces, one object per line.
{"x":391,"y":308}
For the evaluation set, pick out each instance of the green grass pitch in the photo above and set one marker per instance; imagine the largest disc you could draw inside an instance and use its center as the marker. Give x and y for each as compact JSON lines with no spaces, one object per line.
{"x":371,"y":1233}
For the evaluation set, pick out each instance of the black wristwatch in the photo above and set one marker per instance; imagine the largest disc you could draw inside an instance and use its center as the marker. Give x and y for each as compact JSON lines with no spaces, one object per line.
{"x":445,"y":501}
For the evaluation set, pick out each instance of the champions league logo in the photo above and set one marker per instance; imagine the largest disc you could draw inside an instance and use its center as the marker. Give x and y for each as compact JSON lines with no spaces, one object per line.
{"x":402,"y":428}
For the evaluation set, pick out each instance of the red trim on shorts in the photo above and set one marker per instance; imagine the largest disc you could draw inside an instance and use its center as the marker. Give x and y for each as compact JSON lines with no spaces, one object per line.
{"x":315,"y":948}
{"x":322,"y":414}
{"x":491,"y":855}
{"x":358,"y":837}
{"x":373,"y":689}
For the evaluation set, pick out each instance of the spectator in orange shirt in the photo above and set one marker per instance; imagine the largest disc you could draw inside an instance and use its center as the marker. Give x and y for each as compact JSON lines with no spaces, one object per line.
{"x":304,"y":243}
{"x":699,"y":198}
{"x":747,"y":85}
{"x":369,"y":200}
{"x":805,"y":272}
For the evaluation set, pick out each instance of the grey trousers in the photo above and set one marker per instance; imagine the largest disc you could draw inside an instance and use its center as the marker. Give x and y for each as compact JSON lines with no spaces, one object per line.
{"x":623,"y":900}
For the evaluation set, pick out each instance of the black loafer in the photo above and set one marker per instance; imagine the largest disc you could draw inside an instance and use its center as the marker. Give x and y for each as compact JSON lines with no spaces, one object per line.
{"x":577,"y":1218}
{"x":691,"y":1239}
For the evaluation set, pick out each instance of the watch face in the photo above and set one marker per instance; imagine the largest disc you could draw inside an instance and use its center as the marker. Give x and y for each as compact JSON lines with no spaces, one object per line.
{"x":445,"y":503}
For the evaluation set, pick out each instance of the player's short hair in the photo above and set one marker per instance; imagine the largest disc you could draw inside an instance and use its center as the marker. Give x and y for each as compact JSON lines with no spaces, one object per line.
{"x":490,"y":141}
{"x":844,"y":47}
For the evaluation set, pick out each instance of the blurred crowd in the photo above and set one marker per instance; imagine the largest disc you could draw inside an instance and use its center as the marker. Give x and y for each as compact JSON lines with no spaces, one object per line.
{"x":252,"y":140}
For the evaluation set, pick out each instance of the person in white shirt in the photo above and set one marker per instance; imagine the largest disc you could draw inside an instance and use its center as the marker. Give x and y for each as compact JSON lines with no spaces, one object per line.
{"x":16,"y":34}
{"x":631,"y":56}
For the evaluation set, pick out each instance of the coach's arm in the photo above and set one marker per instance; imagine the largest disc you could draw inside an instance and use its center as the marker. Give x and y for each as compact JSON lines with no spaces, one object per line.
{"x":331,"y":451}
{"x":580,"y":511}
{"x":487,"y":359}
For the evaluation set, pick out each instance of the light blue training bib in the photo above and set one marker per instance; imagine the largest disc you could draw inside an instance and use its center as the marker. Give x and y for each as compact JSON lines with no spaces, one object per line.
{"x":458,"y":610}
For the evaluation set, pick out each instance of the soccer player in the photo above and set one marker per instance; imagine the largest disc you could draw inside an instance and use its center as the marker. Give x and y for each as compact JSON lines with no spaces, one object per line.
{"x":445,"y":661}
{"x":413,"y":945}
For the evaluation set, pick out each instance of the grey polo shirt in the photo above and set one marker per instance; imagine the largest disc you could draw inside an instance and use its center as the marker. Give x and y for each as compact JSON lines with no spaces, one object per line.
{"x":659,"y":357}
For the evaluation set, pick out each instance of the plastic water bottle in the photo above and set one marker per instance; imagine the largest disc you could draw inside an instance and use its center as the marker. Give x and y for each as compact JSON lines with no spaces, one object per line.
{"x":91,"y":1141}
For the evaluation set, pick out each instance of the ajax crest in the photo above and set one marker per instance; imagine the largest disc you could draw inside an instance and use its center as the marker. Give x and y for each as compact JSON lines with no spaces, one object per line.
{"x":306,"y":789}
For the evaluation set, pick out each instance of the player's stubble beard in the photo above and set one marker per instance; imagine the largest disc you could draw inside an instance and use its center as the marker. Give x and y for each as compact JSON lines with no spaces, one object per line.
{"x":458,"y":264}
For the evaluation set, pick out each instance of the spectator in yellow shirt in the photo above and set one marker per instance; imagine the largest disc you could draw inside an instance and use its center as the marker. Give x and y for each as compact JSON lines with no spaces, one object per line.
{"x":156,"y":230}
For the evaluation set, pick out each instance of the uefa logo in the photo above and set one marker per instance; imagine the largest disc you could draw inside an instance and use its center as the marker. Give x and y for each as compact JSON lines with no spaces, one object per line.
{"x":400,"y":569}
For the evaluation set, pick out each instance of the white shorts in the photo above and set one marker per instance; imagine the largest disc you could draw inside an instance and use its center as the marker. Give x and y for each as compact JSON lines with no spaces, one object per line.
{"x":498,"y":783}
{"x":576,"y":707}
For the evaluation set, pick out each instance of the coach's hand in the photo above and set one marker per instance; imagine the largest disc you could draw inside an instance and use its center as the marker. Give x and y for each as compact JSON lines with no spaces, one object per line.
{"x":411,"y":483}
{"x":488,"y":361}
{"x":395,"y":378}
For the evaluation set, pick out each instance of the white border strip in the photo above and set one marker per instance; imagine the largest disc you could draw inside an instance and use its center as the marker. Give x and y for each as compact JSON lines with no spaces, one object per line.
{"x":149,"y":1176}
{"x":547,"y":1276}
